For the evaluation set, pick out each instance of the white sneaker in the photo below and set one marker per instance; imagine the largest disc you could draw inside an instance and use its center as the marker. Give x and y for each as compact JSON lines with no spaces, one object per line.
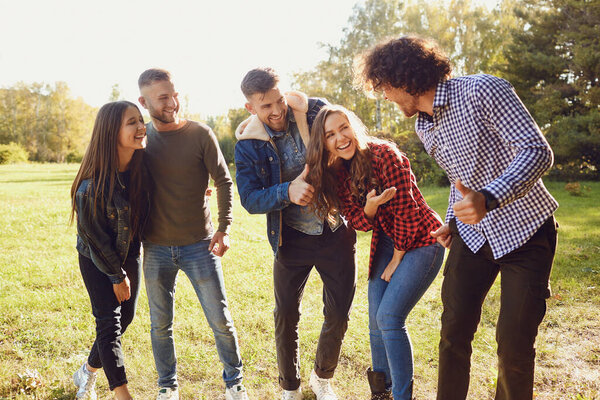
{"x":167,"y":393}
{"x":236,"y":392}
{"x":85,"y":381}
{"x":321,"y":387}
{"x":292,"y":394}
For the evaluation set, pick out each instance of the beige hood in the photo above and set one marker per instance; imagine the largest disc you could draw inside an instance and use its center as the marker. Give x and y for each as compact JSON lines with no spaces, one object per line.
{"x":253,"y":128}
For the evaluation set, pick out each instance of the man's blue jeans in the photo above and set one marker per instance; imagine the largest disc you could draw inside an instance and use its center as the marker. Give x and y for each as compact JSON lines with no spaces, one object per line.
{"x":389,"y":305}
{"x":161,"y":265}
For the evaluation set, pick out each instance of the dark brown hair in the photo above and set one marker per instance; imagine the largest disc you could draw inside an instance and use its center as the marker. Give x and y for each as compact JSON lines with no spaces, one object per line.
{"x":259,"y":80}
{"x":323,"y":169}
{"x":100,"y":164}
{"x":410,"y":63}
{"x":153,"y":75}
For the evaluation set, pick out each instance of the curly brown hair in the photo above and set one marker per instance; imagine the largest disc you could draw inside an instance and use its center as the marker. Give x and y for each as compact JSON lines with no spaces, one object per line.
{"x":410,"y":63}
{"x":322,"y":167}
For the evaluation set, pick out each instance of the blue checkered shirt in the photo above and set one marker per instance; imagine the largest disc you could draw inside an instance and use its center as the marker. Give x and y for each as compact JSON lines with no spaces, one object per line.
{"x":482,"y":133}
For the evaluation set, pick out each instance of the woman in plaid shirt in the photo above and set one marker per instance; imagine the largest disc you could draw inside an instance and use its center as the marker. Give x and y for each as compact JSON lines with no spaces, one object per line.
{"x":371,"y":183}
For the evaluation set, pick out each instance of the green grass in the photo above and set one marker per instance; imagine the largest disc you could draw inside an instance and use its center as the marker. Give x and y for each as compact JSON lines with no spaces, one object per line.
{"x":46,"y":326}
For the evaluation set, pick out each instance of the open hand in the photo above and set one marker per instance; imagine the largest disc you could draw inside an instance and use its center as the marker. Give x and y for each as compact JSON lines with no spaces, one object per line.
{"x":392,"y":265}
{"x":374,"y":200}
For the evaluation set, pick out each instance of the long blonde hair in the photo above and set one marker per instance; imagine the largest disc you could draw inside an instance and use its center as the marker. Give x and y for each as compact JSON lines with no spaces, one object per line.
{"x":323,"y":167}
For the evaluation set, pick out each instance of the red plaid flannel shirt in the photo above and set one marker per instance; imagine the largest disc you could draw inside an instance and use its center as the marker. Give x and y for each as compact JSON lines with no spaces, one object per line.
{"x":406,"y":218}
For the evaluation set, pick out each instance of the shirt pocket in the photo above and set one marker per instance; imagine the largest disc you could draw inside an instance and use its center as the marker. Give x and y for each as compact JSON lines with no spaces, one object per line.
{"x":263,"y":171}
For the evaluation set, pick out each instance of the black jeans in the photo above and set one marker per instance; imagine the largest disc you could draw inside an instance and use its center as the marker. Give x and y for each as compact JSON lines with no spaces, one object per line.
{"x":332,"y":254}
{"x":112,"y":318}
{"x":524,"y":287}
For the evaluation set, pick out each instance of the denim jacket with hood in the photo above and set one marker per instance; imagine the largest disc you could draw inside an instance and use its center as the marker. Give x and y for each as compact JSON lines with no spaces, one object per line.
{"x":103,"y":233}
{"x":258,"y":168}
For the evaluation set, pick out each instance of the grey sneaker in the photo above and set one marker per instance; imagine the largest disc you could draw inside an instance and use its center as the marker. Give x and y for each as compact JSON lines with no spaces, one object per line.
{"x":167,"y":393}
{"x":321,"y":387}
{"x":85,"y":382}
{"x":292,"y":394}
{"x":236,"y":392}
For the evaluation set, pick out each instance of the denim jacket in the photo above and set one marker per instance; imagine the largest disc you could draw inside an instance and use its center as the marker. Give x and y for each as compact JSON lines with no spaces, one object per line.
{"x":258,"y":169}
{"x":104,"y":236}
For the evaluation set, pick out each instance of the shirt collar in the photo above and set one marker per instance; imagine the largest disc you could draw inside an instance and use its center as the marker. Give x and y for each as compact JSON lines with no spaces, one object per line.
{"x":274,"y":134}
{"x":441,"y":95}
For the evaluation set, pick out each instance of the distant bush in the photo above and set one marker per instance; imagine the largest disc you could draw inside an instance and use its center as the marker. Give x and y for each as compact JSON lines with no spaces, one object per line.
{"x":73,"y":157}
{"x":227,"y":145}
{"x":12,"y":153}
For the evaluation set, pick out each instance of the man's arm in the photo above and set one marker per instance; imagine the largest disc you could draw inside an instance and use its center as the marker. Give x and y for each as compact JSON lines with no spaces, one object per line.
{"x":254,"y":196}
{"x":503,"y":112}
{"x":217,"y":169}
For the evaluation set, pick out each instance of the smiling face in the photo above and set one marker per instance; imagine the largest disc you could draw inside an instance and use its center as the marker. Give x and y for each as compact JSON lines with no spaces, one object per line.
{"x":407,"y":103}
{"x":270,"y":108}
{"x":160,"y":99}
{"x":340,"y":139}
{"x":132,"y":135}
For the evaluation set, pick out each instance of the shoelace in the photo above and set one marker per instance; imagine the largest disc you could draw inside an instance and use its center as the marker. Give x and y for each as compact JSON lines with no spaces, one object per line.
{"x":89,"y":385}
{"x":238,"y":393}
{"x":324,"y":388}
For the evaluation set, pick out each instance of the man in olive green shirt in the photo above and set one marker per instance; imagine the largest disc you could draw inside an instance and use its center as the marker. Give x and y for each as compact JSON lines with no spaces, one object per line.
{"x":181,"y":157}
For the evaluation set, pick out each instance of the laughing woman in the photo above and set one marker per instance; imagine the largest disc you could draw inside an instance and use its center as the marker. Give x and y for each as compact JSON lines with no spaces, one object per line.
{"x":371,"y":183}
{"x":110,"y":200}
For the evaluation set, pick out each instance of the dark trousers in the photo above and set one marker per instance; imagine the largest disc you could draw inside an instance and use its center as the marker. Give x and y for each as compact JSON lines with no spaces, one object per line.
{"x":332,"y":254}
{"x":112,"y":318}
{"x":524,"y":289}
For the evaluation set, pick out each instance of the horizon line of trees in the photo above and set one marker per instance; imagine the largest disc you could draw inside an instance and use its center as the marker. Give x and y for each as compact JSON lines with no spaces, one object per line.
{"x":548,"y":49}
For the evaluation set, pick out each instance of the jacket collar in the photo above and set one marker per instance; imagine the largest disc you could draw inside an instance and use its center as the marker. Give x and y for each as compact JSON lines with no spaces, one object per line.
{"x":253,"y":128}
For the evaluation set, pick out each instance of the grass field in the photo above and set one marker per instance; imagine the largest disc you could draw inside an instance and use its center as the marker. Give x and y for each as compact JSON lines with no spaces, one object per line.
{"x":46,"y":326}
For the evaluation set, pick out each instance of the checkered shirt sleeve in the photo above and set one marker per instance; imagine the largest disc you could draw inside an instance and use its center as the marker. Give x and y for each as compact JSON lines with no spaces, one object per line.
{"x":482,"y":134}
{"x":406,"y":218}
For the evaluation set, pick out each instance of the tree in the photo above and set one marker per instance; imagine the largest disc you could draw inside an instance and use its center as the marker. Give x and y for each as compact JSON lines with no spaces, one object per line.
{"x":554,"y":64}
{"x":115,"y":93}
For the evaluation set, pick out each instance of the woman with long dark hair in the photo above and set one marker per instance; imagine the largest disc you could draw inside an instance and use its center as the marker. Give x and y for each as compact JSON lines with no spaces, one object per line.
{"x":110,"y":199}
{"x":371,"y":183}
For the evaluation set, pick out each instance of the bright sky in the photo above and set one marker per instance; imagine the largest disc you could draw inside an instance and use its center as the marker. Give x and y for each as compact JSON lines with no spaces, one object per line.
{"x":208,"y":46}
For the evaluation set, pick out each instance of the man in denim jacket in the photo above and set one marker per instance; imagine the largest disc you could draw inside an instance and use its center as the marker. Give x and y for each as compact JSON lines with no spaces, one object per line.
{"x":270,"y":158}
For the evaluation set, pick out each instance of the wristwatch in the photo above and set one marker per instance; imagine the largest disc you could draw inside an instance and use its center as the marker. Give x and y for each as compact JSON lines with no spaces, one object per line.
{"x":490,"y":201}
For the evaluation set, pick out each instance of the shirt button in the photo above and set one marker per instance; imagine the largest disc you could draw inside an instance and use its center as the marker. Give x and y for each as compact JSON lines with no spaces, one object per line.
{"x":270,"y":158}
{"x":125,"y":228}
{"x":272,"y":232}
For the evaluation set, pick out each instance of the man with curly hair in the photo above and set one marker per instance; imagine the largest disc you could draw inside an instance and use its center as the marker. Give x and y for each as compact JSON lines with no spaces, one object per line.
{"x":500,"y":215}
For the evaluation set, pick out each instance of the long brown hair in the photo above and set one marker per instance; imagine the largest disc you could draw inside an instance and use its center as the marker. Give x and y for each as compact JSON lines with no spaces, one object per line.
{"x":100,"y":165}
{"x":323,"y":168}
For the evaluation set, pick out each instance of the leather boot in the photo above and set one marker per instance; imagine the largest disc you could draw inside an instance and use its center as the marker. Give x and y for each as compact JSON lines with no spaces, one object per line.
{"x":377,"y":384}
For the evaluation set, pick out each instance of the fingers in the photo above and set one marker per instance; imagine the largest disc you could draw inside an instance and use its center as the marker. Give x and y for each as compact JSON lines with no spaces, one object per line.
{"x":213,"y":241}
{"x":304,"y":173}
{"x":462,"y":188}
{"x":443,"y":235}
{"x":371,"y":194}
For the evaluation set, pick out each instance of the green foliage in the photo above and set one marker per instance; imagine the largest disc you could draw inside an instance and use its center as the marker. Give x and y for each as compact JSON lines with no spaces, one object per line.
{"x":472,"y":36}
{"x":45,"y":120}
{"x":554,"y":64}
{"x":12,"y":153}
{"x":47,"y":326}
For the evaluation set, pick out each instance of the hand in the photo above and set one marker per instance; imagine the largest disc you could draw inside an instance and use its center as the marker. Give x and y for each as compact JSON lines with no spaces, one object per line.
{"x":219,"y":243}
{"x":443,"y":235}
{"x":471,"y":209}
{"x":300,"y":191}
{"x":122,"y":290}
{"x":208,"y":192}
{"x":392,"y":265}
{"x":374,"y":201}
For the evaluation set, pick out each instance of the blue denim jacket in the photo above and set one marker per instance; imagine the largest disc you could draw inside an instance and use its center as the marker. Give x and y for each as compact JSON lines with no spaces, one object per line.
{"x":258,"y":176}
{"x":104,"y":236}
